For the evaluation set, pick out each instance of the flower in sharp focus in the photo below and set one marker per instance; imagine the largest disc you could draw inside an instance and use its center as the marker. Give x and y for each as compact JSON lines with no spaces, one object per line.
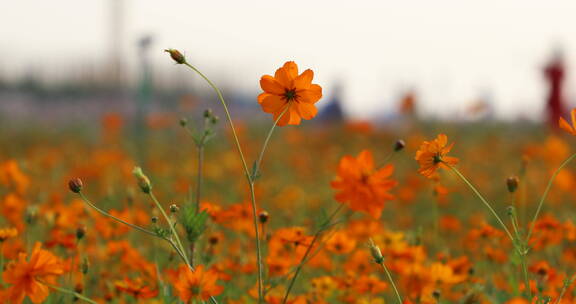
{"x":30,"y":277}
{"x":288,"y":89}
{"x":363,"y":187}
{"x":433,"y":155}
{"x":570,"y":128}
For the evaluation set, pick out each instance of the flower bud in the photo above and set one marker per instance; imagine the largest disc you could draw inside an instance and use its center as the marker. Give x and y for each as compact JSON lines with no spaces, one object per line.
{"x":143,"y":180}
{"x":376,"y":253}
{"x":75,"y":185}
{"x":154,"y":219}
{"x":214,"y":119}
{"x":176,"y":56}
{"x":80,"y":232}
{"x":208,"y":113}
{"x":512,"y":183}
{"x":85,"y":265}
{"x":399,"y":145}
{"x":263,"y":217}
{"x":174,"y":208}
{"x":183,"y":122}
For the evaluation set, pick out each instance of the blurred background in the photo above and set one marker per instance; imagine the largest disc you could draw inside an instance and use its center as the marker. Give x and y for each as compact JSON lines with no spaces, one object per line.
{"x":78,"y":61}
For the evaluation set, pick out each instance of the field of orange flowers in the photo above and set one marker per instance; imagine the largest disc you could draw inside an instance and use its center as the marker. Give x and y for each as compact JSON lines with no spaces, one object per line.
{"x":211,"y":211}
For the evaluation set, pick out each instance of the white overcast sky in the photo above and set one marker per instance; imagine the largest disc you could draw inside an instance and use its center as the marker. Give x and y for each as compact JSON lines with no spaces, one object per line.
{"x":451,"y":51}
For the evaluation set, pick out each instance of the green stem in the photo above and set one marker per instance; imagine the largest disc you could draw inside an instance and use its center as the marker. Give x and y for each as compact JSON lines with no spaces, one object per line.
{"x":228,"y":117}
{"x":398,"y":297}
{"x":543,"y":198}
{"x":518,"y":250}
{"x":172,"y":228}
{"x":246,"y":171}
{"x":484,"y":201}
{"x":87,"y":201}
{"x":308,"y":250}
{"x":70,"y":292}
{"x":258,"y":246}
{"x":261,"y":155}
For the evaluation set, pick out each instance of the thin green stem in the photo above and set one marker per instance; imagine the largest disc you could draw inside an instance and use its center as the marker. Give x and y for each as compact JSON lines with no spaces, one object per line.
{"x":261,"y":155}
{"x":70,"y":292}
{"x":258,"y":246}
{"x":484,"y":201}
{"x":543,"y":198}
{"x":169,"y":222}
{"x":87,"y":201}
{"x":228,"y":117}
{"x":567,"y":284}
{"x":520,"y":251}
{"x":398,"y":297}
{"x":308,"y":250}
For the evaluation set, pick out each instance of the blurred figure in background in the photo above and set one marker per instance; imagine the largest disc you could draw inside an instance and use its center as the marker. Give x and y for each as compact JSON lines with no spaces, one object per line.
{"x":555,"y":72}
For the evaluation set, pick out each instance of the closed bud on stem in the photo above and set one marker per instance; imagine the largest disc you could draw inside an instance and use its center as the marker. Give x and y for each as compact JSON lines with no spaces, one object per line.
{"x":154,"y":219}
{"x":183,"y":122}
{"x":174,"y":208}
{"x":376,"y":253}
{"x":214,"y":119}
{"x":208,"y":113}
{"x":176,"y":56}
{"x":512,"y":183}
{"x":399,"y":145}
{"x":85,"y":265}
{"x":143,"y":180}
{"x":75,"y":185}
{"x":436,"y":294}
{"x":263,"y":217}
{"x":80,"y":232}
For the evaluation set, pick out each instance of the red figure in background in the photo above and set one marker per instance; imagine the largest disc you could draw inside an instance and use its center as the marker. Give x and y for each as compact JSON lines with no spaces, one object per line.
{"x":554,"y":73}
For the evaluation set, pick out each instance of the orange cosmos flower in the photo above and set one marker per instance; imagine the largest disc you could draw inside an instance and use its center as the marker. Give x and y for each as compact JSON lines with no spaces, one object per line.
{"x":361,"y":186}
{"x":566,"y":126}
{"x":288,"y":89}
{"x":200,"y":283}
{"x":29,"y":278}
{"x":432,"y":155}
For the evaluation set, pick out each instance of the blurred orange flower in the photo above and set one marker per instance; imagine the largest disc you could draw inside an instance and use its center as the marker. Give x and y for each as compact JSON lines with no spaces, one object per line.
{"x":29,"y":278}
{"x":288,"y":89}
{"x":196,"y":284}
{"x":432,"y":155}
{"x":361,"y":186}
{"x":566,"y":126}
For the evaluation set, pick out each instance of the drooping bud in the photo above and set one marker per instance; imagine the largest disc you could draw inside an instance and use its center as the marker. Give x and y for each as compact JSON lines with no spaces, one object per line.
{"x":376,"y":253}
{"x":399,"y":145}
{"x":176,"y":56}
{"x":143,"y":180}
{"x":75,"y":185}
{"x":263,"y":217}
{"x":512,"y":183}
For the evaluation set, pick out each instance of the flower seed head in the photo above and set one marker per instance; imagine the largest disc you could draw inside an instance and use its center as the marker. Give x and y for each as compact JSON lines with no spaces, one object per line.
{"x":75,"y":185}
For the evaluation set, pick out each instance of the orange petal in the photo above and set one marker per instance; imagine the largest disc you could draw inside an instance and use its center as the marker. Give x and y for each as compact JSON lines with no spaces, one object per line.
{"x":565,"y":126}
{"x":304,"y":81}
{"x":272,"y":104}
{"x":270,"y":85}
{"x":306,"y":110}
{"x":312,"y":95}
{"x":286,"y":74}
